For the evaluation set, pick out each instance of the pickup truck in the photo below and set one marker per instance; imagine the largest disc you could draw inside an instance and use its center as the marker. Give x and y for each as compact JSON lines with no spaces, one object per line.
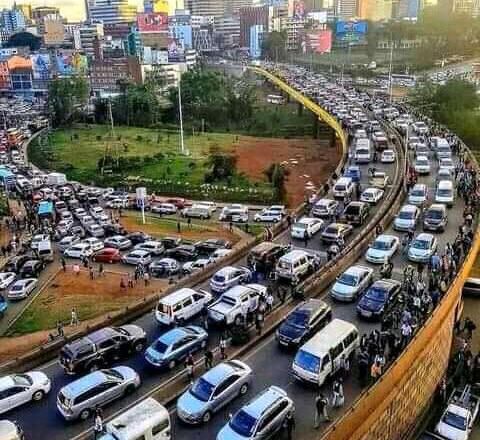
{"x":236,"y":304}
{"x":457,"y":420}
{"x":378,"y":180}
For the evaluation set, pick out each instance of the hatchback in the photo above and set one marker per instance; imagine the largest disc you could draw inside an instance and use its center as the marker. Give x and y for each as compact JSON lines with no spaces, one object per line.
{"x":418,"y":195}
{"x":79,"y":250}
{"x":164,"y":267}
{"x":31,"y":269}
{"x":119,"y":242}
{"x":261,"y":418}
{"x":136,"y":257}
{"x":212,"y":391}
{"x":325,"y":208}
{"x":107,"y":255}
{"x":407,"y":218}
{"x":351,"y":283}
{"x":306,"y":227}
{"x":372,"y":195}
{"x":80,"y":398}
{"x":20,"y":289}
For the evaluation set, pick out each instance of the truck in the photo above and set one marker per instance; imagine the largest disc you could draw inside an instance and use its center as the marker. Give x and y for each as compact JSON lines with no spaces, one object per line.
{"x":457,"y":420}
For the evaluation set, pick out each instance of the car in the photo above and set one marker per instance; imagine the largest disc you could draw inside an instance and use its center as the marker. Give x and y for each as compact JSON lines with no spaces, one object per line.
{"x":11,"y":430}
{"x":193,"y":266}
{"x":37,"y":239}
{"x":388,"y":156}
{"x":447,"y":163}
{"x":164,"y":209}
{"x":234,"y":213}
{"x":102,"y":348}
{"x":351,"y":283}
{"x":268,"y":216}
{"x":354,"y":172}
{"x":175,"y":345}
{"x":435,"y":218}
{"x":96,"y":212}
{"x":372,"y":195}
{"x":31,"y":269}
{"x":407,"y":218}
{"x":154,"y":247}
{"x":229,"y":276}
{"x":335,"y":231}
{"x":6,"y":278}
{"x":136,"y":257}
{"x":18,"y":389}
{"x":138,"y":237}
{"x":118,"y":241}
{"x":78,"y":250}
{"x":207,"y":247}
{"x":63,"y":227}
{"x":20,"y":289}
{"x":164,"y":267}
{"x":379,"y":298}
{"x":281,"y":209}
{"x":379,"y":179}
{"x":196,"y":211}
{"x":219,"y":254}
{"x":306,"y":227}
{"x":80,"y":398}
{"x":107,"y":255}
{"x":184,"y":253}
{"x":171,"y":242}
{"x":79,"y":213}
{"x":68,"y":241}
{"x":95,"y":230}
{"x":261,"y":418}
{"x":325,"y":208}
{"x":422,"y":247}
{"x":356,"y":213}
{"x":382,"y":249}
{"x":178,"y":202}
{"x":302,"y":322}
{"x":213,"y":390}
{"x":87,"y":220}
{"x":104,"y":220}
{"x":422,"y":165}
{"x":471,"y":286}
{"x":78,"y":231}
{"x":418,"y":195}
{"x":444,"y":174}
{"x":14,"y":264}
{"x":94,"y":243}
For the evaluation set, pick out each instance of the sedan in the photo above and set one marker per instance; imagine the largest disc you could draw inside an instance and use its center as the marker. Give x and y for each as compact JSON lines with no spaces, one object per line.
{"x":193,"y":266}
{"x":210,"y":392}
{"x":164,"y":267}
{"x":306,"y":227}
{"x":79,"y":250}
{"x":382,"y":249}
{"x":175,"y":345}
{"x":20,"y":289}
{"x":378,"y":298}
{"x":407,"y":218}
{"x":422,"y":248}
{"x":31,"y":269}
{"x":94,"y":243}
{"x":118,"y":242}
{"x":107,"y":255}
{"x":418,"y":195}
{"x":136,"y":257}
{"x":325,"y":208}
{"x":354,"y":172}
{"x":351,"y":283}
{"x":229,"y":276}
{"x":165,"y":209}
{"x":18,"y":389}
{"x":335,"y":231}
{"x":372,"y":195}
{"x":268,"y":216}
{"x":422,"y":165}
{"x":447,"y":163}
{"x":388,"y":156}
{"x":183,"y":252}
{"x":6,"y":278}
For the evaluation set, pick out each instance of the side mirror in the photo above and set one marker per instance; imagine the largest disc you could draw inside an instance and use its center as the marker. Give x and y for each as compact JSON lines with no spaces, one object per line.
{"x":230,"y":416}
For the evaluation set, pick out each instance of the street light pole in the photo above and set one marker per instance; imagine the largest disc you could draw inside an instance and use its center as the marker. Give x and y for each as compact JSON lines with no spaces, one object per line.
{"x":390,"y":88}
{"x":180,"y":113}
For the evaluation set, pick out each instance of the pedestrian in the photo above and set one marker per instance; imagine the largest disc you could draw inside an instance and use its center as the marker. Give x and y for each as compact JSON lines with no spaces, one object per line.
{"x":344,"y":366}
{"x":76,"y":269}
{"x":60,"y":332}
{"x":74,"y":317}
{"x":223,"y":347}
{"x":208,"y":359}
{"x":146,"y":279}
{"x":305,"y":238}
{"x":98,"y":423}
{"x":321,"y":412}
{"x":130,"y":283}
{"x":289,"y":425}
{"x":64,"y":264}
{"x":189,"y":364}
{"x":269,"y":301}
{"x":259,"y":322}
{"x":230,"y":226}
{"x":189,"y":223}
{"x":338,"y":398}
{"x":92,"y":273}
{"x":375,"y":371}
{"x":101,"y":270}
{"x":179,"y":228}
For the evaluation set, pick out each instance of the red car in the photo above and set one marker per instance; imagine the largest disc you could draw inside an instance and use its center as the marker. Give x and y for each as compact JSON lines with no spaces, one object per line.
{"x":107,"y":255}
{"x":179,"y":203}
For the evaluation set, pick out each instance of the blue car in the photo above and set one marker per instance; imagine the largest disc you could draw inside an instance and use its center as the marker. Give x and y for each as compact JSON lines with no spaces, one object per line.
{"x":3,"y":305}
{"x":354,"y":172}
{"x":175,"y":345}
{"x":378,"y":298}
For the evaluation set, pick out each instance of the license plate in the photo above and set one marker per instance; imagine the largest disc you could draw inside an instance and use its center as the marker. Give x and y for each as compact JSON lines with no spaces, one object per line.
{"x":283,"y":342}
{"x":367,"y":314}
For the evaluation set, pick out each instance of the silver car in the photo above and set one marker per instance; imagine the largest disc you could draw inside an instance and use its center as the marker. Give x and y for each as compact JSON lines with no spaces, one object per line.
{"x":214,"y":390}
{"x":78,"y":399}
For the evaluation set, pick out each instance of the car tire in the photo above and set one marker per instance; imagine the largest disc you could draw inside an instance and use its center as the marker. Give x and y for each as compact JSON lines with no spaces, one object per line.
{"x":38,"y":395}
{"x":130,"y":389}
{"x":244,"y":389}
{"x":138,"y":346}
{"x":171,"y":364}
{"x":85,"y":414}
{"x":207,"y":416}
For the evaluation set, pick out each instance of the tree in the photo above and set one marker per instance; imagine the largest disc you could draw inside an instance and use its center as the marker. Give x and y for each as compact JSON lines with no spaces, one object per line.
{"x":274,"y":45}
{"x":222,"y":166}
{"x":66,"y":96}
{"x":24,"y":39}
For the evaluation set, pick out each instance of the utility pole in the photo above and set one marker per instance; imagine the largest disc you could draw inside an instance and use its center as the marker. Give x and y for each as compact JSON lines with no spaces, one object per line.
{"x":390,"y":85}
{"x":180,"y":114}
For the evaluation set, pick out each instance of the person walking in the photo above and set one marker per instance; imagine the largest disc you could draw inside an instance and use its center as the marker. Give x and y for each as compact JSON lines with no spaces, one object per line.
{"x":146,"y":279}
{"x":338,"y":398}
{"x":208,"y":359}
{"x":98,"y":423}
{"x":223,"y":347}
{"x":321,"y":412}
{"x":74,"y":321}
{"x":101,"y":270}
{"x":60,"y":332}
{"x":64,"y":264}
{"x":189,"y":364}
{"x":289,"y":425}
{"x":375,"y":371}
{"x":92,"y":273}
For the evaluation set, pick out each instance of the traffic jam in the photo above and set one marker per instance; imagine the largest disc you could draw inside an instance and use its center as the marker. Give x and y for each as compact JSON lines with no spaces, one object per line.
{"x":326,"y":349}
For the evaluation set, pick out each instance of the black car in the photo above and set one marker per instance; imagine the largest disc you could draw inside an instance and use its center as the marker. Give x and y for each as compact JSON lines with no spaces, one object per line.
{"x":183,"y":252}
{"x":356,"y":213}
{"x":138,"y":237}
{"x":171,"y":242}
{"x":101,"y":348}
{"x":78,"y":231}
{"x":208,"y":247}
{"x":111,"y":230}
{"x":380,"y":297}
{"x":303,"y":322}
{"x":31,"y":269}
{"x":14,"y":264}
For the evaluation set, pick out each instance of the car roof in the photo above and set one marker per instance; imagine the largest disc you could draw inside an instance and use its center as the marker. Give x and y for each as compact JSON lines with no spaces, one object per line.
{"x":386,"y":237}
{"x":218,"y":373}
{"x":425,"y":237}
{"x":311,"y":305}
{"x":6,"y":382}
{"x":173,"y":335}
{"x":293,"y":255}
{"x":409,"y":208}
{"x":357,"y":270}
{"x":87,"y":382}
{"x":264,"y":401}
{"x":385,"y":283}
{"x":445,"y":184}
{"x":177,"y":296}
{"x":322,"y":341}
{"x":437,"y":207}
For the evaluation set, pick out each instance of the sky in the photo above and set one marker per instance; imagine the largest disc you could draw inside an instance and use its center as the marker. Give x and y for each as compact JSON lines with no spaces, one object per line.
{"x":74,"y":10}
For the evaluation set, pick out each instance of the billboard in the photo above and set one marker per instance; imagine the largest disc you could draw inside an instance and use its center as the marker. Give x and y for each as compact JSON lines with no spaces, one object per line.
{"x":71,"y":63}
{"x":297,"y":9}
{"x":152,"y":22}
{"x":319,"y":41}
{"x":320,"y":17}
{"x":176,"y":51}
{"x":351,"y":30}
{"x":40,"y":66}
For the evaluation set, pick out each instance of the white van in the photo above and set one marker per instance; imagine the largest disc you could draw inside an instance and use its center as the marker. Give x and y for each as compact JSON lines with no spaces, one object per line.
{"x":211,"y":206}
{"x":343,"y":188}
{"x":10,"y":431}
{"x":295,"y":264}
{"x":321,"y":356}
{"x":45,"y":251}
{"x":445,"y":193}
{"x":181,"y":305}
{"x":148,"y":420}
{"x":363,"y":153}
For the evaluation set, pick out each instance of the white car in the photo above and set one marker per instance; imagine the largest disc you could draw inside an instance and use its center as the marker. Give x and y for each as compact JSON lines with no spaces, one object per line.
{"x":351,"y":283}
{"x":18,"y":389}
{"x":444,"y":174}
{"x":308,"y":225}
{"x":382,"y":249}
{"x":422,"y":165}
{"x":418,"y":195}
{"x":278,"y":208}
{"x":87,"y":220}
{"x":372,"y":195}
{"x":6,"y":278}
{"x":324,"y":208}
{"x":20,"y":289}
{"x":118,"y":242}
{"x":37,"y":239}
{"x":388,"y":156}
{"x":422,"y":248}
{"x":68,"y":241}
{"x":137,"y":256}
{"x":78,"y":250}
{"x":104,"y":220}
{"x":80,"y":213}
{"x":219,"y":253}
{"x":193,"y":266}
{"x":94,"y":243}
{"x":447,"y":163}
{"x":96,"y":212}
{"x":407,"y":218}
{"x":165,"y":209}
{"x":268,"y":216}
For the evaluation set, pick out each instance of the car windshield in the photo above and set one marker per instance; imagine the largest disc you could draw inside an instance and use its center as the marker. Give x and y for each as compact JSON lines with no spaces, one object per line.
{"x":417,"y":193}
{"x":159,"y":346}
{"x":202,"y":390}
{"x":300,"y":225}
{"x":435,"y":214}
{"x":219,"y":278}
{"x":444,"y":192}
{"x":422,"y":162}
{"x":406,"y":215}
{"x":381,"y":245}
{"x":298,"y":319}
{"x":331,"y":230}
{"x":421,"y":244}
{"x":376,"y":294}
{"x":243,"y":424}
{"x":17,"y":287}
{"x":113,"y":374}
{"x":307,"y":361}
{"x":348,"y":279}
{"x":455,"y":420}
{"x":22,"y":380}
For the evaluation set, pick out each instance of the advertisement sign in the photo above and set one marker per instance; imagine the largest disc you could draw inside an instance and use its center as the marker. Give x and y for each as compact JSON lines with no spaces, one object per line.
{"x":161,"y":6}
{"x":296,"y":9}
{"x":153,"y":22}
{"x":318,"y":17}
{"x":351,"y":30}
{"x":319,"y":41}
{"x":71,"y":63}
{"x":40,"y":66}
{"x":176,"y":52}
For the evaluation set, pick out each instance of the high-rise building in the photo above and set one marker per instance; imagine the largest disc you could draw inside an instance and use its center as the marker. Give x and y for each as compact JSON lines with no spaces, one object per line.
{"x":54,"y":34}
{"x":111,"y":11}
{"x":26,"y":10}
{"x":407,"y":9}
{"x":375,"y":10}
{"x":86,"y":36}
{"x":216,"y":8}
{"x":252,"y":16}
{"x":39,"y":13}
{"x":346,"y":9}
{"x":255,"y":40}
{"x":12,"y":20}
{"x":163,"y":6}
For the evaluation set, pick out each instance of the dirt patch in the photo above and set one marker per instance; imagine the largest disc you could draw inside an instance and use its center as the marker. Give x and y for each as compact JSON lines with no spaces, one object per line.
{"x":91,"y":298}
{"x":308,"y":160}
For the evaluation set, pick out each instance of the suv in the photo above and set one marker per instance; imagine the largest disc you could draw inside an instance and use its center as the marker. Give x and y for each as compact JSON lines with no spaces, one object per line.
{"x":304,"y":321}
{"x":356,"y":213}
{"x":101,"y":348}
{"x":436,"y":218}
{"x":267,"y":253}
